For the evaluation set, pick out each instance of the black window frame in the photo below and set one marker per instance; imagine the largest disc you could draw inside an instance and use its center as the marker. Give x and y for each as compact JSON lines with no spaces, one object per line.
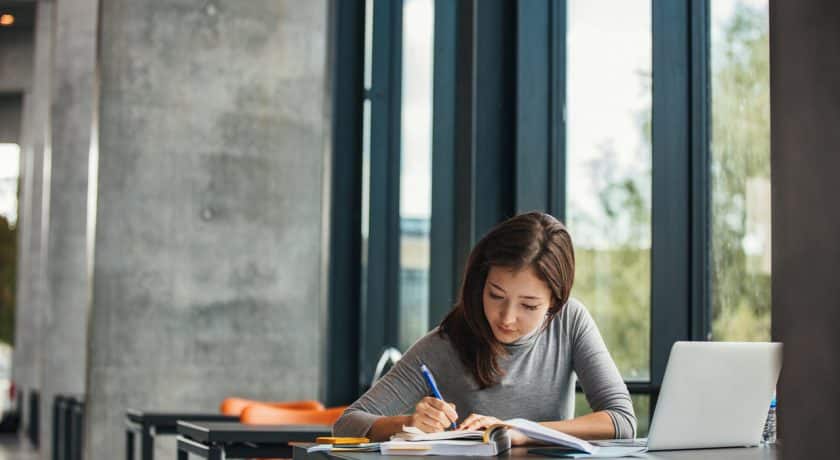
{"x":380,"y":308}
{"x":499,"y":148}
{"x":680,"y":249}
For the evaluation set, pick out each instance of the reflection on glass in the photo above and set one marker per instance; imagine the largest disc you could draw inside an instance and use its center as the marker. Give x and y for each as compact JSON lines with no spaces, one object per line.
{"x":415,"y":169}
{"x":608,"y":171}
{"x":365,"y":230}
{"x":366,"y":120}
{"x":740,"y":170}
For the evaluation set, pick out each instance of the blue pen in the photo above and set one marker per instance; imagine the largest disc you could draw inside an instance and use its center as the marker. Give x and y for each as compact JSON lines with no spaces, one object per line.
{"x":430,"y":380}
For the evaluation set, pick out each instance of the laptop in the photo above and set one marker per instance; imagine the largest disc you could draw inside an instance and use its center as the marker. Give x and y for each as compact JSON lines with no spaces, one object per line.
{"x":714,"y":394}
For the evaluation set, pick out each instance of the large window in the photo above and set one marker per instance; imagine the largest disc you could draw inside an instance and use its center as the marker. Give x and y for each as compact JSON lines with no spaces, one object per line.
{"x":609,"y":122}
{"x":740,"y":170}
{"x":608,"y":155}
{"x":643,"y":124}
{"x":608,"y":165}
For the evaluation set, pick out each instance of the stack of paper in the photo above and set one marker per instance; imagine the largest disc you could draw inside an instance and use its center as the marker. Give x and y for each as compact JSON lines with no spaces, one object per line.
{"x":468,"y":443}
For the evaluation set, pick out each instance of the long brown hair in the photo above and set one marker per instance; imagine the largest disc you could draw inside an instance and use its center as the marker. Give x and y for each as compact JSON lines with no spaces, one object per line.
{"x":534,"y":239}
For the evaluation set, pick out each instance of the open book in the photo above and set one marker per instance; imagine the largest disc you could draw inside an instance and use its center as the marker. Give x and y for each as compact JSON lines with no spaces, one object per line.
{"x":492,"y":441}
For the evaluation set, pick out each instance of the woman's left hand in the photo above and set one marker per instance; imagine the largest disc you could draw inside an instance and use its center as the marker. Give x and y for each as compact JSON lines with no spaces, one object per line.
{"x":480,"y":422}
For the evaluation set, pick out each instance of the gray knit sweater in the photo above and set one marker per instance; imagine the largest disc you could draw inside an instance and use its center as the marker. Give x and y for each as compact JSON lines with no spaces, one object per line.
{"x":539,"y":383}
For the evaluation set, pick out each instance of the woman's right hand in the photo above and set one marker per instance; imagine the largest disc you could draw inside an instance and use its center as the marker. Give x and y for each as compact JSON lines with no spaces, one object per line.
{"x":432,"y":415}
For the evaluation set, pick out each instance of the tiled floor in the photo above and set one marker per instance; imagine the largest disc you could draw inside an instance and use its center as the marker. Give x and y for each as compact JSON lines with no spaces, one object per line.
{"x":14,"y":448}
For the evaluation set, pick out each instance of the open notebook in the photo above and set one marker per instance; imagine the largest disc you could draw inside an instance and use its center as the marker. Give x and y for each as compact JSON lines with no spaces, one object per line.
{"x":492,"y":441}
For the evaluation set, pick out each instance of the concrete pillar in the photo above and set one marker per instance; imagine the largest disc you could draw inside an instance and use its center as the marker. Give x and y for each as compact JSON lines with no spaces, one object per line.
{"x":805,"y":158}
{"x":31,"y":282}
{"x":68,"y":291}
{"x":20,"y":374}
{"x":208,"y":266}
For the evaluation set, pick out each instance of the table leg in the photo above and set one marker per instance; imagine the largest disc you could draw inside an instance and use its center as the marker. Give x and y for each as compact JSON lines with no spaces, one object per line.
{"x":67,"y":428}
{"x":78,"y":423}
{"x":147,"y":444}
{"x":216,"y":453}
{"x":129,"y":444}
{"x":183,"y":455}
{"x":56,"y":416}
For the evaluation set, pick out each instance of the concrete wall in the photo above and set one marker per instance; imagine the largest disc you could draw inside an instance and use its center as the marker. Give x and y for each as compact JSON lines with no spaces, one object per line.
{"x":805,"y":151}
{"x":31,"y":261}
{"x":64,"y":336}
{"x":207,"y":276}
{"x":16,"y":54}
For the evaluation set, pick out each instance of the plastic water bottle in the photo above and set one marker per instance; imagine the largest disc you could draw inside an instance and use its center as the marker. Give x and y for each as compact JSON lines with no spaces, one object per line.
{"x":769,"y":434}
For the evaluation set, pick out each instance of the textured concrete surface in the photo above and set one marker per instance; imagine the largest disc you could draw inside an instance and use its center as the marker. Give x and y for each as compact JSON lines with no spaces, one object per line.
{"x":208,"y":254}
{"x":16,"y":54}
{"x":13,"y":448}
{"x":34,"y":141}
{"x":68,"y":291}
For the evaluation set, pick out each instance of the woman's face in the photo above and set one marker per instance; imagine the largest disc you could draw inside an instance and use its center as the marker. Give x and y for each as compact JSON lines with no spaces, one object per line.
{"x":515,"y":302}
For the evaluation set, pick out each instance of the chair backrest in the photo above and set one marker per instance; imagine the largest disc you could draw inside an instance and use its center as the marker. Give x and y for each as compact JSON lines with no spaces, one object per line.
{"x":235,"y":406}
{"x":386,"y":361}
{"x":260,"y":414}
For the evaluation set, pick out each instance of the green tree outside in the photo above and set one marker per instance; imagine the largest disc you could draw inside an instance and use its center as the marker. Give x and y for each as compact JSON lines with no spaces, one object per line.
{"x":740,"y":154}
{"x":614,"y":282}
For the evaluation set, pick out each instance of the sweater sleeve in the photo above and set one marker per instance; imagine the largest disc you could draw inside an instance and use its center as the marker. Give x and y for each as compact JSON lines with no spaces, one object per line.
{"x":394,"y":394}
{"x":602,"y":383}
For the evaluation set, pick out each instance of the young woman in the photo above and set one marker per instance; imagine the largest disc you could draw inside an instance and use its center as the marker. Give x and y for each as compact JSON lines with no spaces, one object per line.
{"x":509,"y":348}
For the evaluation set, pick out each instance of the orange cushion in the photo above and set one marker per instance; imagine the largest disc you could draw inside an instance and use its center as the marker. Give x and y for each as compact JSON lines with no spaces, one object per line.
{"x":235,"y":406}
{"x":262,"y":414}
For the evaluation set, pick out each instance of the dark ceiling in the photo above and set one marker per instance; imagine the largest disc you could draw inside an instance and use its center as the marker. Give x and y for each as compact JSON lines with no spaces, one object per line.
{"x":23,"y":11}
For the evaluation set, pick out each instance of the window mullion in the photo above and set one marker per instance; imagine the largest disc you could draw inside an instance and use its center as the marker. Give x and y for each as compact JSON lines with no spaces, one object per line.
{"x":443,"y":269}
{"x":671,"y":251}
{"x":700,"y":163}
{"x":380,"y":324}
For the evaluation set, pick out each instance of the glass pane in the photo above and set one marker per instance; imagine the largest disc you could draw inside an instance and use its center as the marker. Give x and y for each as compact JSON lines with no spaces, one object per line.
{"x":608,"y":171}
{"x":368,"y":74}
{"x":740,"y":170}
{"x":9,"y":172}
{"x":641,"y":406}
{"x":415,"y":169}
